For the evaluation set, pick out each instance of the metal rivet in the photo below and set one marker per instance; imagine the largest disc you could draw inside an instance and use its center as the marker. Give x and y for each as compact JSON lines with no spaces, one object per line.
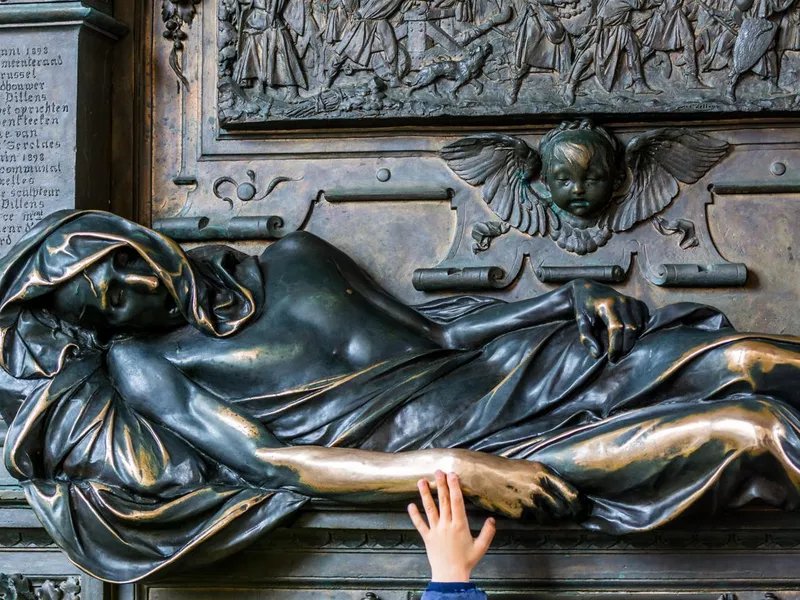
{"x":383,"y":175}
{"x":778,"y":169}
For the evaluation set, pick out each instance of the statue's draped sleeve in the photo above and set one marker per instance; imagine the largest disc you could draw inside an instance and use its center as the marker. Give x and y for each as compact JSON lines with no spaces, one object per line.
{"x":123,"y":496}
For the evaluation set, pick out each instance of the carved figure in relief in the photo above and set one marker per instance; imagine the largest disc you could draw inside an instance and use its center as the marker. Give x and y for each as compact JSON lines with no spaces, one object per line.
{"x":307,"y":35}
{"x":630,"y":47}
{"x":583,"y":184}
{"x":167,"y":407}
{"x":542,"y":44}
{"x":601,"y":47}
{"x":716,"y":31}
{"x":755,"y":45}
{"x":268,"y":56}
{"x":789,"y":34}
{"x":669,"y":29}
{"x":369,"y":41}
{"x":460,"y":72}
{"x":340,"y":13}
{"x":790,"y":29}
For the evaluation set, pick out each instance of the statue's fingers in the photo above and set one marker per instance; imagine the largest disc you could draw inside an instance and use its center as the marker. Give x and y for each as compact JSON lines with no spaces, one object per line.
{"x":567,"y":493}
{"x":587,"y":335}
{"x":418,"y":521}
{"x":615,"y":328}
{"x":543,"y":508}
{"x":443,"y":492}
{"x":558,"y":505}
{"x":546,"y":504}
{"x":629,"y":328}
{"x":427,"y":503}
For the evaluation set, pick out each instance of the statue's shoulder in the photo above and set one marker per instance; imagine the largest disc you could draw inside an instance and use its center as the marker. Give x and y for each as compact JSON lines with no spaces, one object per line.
{"x":300,"y":244}
{"x":131,"y":353}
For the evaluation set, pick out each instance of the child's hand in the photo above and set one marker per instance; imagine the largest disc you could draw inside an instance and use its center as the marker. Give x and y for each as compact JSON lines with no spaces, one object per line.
{"x":452,"y":552}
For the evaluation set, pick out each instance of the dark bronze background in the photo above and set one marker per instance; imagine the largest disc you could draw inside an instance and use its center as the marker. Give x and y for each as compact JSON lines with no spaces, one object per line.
{"x":383,"y":186}
{"x":386,"y":197}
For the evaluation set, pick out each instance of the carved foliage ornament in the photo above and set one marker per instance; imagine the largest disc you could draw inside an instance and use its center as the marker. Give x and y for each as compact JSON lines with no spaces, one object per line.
{"x":17,"y":587}
{"x":176,"y":14}
{"x":583,"y":185}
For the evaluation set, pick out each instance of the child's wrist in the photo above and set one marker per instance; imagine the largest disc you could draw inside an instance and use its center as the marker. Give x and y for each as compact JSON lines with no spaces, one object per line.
{"x":451,"y":576}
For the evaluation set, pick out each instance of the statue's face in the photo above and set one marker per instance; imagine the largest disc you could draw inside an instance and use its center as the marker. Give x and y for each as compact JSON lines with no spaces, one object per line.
{"x":581,"y":187}
{"x":120,"y":292}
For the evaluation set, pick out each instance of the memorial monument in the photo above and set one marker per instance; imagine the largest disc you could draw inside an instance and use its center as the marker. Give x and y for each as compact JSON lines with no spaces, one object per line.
{"x":549,"y":245}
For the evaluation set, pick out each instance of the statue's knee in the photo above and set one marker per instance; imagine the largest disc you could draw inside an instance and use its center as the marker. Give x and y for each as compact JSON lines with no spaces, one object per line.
{"x":752,"y":425}
{"x":752,"y":360}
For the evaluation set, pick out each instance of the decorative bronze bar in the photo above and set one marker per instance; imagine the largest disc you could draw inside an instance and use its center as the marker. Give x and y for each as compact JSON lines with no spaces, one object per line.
{"x":200,"y":229}
{"x":387,"y":195}
{"x":468,"y":278}
{"x":601,"y":273}
{"x":728,"y":188}
{"x":693,"y":275}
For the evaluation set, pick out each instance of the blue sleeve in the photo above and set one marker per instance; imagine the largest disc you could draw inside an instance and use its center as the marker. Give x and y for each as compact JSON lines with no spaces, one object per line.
{"x":453,"y":591}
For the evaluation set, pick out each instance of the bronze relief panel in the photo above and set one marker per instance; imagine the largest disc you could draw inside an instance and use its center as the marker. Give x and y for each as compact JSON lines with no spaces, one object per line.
{"x":292,"y":61}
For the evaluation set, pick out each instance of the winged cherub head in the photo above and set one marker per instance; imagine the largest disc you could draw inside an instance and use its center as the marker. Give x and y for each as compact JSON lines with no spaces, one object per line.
{"x":583,"y":185}
{"x":583,"y":166}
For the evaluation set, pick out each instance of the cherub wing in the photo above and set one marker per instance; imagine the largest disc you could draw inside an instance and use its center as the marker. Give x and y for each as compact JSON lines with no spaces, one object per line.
{"x":506,"y":167}
{"x":658,"y":160}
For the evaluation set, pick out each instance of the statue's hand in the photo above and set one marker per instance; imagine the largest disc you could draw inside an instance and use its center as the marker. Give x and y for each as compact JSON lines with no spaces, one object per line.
{"x":516,"y":487}
{"x":603,"y":314}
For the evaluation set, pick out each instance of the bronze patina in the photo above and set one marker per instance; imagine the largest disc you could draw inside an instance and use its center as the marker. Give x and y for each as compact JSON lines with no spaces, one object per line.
{"x":169,"y":406}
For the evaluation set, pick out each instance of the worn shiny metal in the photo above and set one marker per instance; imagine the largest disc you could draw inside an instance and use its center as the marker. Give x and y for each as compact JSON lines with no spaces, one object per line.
{"x":374,"y":183}
{"x":167,"y":407}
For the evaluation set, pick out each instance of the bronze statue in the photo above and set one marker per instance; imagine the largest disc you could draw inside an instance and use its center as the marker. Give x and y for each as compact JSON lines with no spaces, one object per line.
{"x":166,"y":407}
{"x":583,"y":184}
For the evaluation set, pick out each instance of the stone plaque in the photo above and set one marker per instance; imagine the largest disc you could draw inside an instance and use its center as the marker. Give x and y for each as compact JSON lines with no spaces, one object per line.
{"x":55,"y":115}
{"x":38,"y":83}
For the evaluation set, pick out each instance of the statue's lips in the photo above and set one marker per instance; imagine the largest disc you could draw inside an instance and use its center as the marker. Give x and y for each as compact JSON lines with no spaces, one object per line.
{"x":579,"y":204}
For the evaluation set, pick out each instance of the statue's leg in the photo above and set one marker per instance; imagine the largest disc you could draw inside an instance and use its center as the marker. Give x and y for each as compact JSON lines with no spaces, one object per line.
{"x":644,"y":468}
{"x":766,"y":367}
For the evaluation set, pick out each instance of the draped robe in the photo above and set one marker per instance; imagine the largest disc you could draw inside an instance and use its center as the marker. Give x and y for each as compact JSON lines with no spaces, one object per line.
{"x":128,"y":497}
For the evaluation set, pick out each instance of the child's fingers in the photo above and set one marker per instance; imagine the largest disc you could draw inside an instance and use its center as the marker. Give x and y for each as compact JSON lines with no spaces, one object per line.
{"x":457,"y":509}
{"x":427,"y":503}
{"x":485,"y":537}
{"x":444,"y":496}
{"x":417,"y":520}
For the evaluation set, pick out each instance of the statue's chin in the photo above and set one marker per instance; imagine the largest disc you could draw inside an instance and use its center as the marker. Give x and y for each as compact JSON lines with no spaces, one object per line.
{"x":579,"y":219}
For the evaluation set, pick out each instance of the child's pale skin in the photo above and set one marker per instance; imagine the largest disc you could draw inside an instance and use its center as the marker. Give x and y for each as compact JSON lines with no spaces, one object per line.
{"x":452,"y":551}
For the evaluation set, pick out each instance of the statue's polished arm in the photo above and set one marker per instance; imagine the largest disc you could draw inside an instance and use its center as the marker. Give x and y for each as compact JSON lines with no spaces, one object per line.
{"x":495,"y":483}
{"x":158,"y":391}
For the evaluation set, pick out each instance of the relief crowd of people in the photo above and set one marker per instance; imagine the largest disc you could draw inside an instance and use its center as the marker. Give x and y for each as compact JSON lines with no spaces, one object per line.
{"x":294,"y":49}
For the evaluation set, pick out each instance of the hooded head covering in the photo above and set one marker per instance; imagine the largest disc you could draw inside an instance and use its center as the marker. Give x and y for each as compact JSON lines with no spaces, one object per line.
{"x":122,"y":495}
{"x":217,"y":290}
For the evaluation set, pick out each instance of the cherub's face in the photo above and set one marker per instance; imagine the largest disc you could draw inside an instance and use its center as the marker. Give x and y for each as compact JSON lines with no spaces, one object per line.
{"x":582,"y":186}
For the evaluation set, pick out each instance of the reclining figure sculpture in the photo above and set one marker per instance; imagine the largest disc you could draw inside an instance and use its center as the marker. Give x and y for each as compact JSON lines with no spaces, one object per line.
{"x":166,"y":407}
